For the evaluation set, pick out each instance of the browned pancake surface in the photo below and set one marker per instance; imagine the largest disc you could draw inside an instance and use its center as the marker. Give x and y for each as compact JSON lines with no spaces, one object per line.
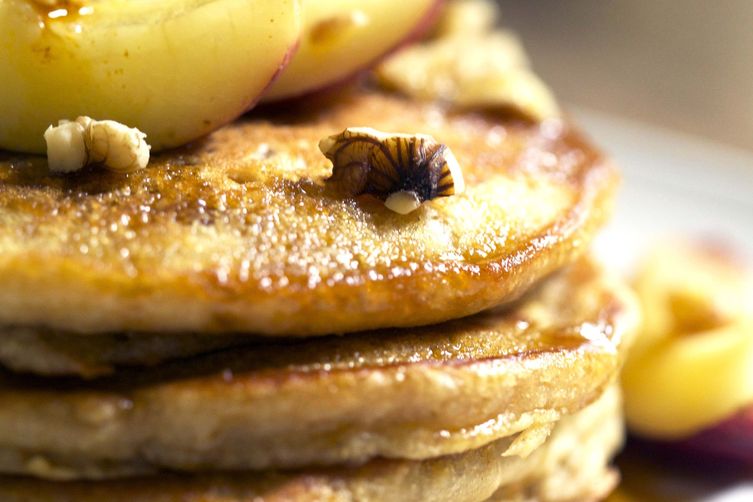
{"x":413,"y":393}
{"x":240,"y":233}
{"x":49,"y":352}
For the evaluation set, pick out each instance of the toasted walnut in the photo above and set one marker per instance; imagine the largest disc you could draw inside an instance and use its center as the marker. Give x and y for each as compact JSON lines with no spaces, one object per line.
{"x":470,"y":68}
{"x":73,"y":145}
{"x":403,"y":170}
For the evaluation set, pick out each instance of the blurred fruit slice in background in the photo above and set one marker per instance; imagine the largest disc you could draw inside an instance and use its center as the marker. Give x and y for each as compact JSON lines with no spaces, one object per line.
{"x":692,"y":367}
{"x":470,"y":64}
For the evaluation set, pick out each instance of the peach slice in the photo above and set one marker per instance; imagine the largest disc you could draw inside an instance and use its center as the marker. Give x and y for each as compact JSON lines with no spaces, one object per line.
{"x":341,"y":37}
{"x":175,"y":69}
{"x":692,"y":366}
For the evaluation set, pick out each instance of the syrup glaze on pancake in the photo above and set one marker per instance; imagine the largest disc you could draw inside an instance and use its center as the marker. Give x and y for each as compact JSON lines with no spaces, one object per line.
{"x":48,"y":352}
{"x":412,"y":393}
{"x":573,"y":465}
{"x":239,"y":233}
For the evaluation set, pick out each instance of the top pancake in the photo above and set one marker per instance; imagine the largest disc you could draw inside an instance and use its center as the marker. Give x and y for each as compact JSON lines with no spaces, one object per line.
{"x":239,"y":233}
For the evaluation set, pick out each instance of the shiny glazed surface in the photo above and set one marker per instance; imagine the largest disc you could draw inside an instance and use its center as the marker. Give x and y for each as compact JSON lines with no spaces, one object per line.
{"x":49,"y":352}
{"x":417,"y":393}
{"x":240,"y":233}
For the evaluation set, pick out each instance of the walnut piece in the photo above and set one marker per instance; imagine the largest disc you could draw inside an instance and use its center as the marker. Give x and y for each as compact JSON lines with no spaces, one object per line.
{"x":72,"y":145}
{"x":403,"y":170}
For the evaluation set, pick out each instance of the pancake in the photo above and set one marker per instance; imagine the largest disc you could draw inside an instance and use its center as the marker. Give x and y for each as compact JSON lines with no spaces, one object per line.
{"x":239,"y":233}
{"x":414,"y":394}
{"x":49,"y":352}
{"x":571,"y":466}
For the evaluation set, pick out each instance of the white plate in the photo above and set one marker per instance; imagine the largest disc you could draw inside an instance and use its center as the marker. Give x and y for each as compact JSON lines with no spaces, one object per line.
{"x":675,"y":185}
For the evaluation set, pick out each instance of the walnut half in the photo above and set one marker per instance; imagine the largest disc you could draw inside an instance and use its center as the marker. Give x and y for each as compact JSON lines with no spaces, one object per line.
{"x":72,"y":145}
{"x":403,"y":170}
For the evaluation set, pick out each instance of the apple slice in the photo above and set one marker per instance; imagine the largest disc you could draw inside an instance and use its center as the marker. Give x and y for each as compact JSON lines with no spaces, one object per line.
{"x":341,"y":37}
{"x":175,"y":69}
{"x":692,"y":367}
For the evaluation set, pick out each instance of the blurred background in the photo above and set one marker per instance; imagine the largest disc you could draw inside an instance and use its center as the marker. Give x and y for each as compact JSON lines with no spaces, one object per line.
{"x":666,"y":88}
{"x":685,"y":65}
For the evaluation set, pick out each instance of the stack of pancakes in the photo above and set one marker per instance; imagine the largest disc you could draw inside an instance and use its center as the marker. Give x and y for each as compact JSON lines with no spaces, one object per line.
{"x":222,"y":326}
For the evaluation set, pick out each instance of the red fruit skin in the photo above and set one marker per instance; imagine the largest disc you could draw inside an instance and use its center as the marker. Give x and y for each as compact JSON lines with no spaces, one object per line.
{"x":422,"y":28}
{"x":731,"y":439}
{"x":283,"y":64}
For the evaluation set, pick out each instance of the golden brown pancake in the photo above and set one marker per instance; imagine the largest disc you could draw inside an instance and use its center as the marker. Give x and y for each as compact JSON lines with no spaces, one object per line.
{"x":572,"y":466}
{"x":49,"y":352}
{"x":414,"y":393}
{"x":239,"y":233}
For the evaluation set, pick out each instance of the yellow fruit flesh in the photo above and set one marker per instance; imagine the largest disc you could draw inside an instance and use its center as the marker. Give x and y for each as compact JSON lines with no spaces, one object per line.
{"x":176,"y":69}
{"x":683,"y":385}
{"x":692,"y":367}
{"x":341,"y":37}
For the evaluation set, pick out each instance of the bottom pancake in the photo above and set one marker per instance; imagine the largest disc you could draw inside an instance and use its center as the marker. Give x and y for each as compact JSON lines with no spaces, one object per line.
{"x":572,"y":465}
{"x":407,"y":394}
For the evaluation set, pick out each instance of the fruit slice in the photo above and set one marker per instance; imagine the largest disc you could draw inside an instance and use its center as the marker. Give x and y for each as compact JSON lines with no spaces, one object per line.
{"x":463,"y":17}
{"x":692,"y":367}
{"x":685,"y":384}
{"x":470,"y":65}
{"x":341,"y":37}
{"x":175,"y":69}
{"x":731,"y":439}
